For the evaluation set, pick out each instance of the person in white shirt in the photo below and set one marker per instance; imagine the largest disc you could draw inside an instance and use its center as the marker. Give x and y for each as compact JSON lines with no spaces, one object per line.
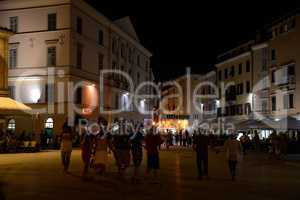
{"x":233,"y":151}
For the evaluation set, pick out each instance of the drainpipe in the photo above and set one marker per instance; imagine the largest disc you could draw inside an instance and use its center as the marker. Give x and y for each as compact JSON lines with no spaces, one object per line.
{"x":252,"y":81}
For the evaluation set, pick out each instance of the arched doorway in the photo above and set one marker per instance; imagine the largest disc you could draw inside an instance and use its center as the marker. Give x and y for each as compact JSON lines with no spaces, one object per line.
{"x":48,"y":132}
{"x":11,"y":125}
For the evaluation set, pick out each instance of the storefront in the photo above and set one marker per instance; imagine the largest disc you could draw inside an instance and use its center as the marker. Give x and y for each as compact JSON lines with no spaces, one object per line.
{"x":172,"y":122}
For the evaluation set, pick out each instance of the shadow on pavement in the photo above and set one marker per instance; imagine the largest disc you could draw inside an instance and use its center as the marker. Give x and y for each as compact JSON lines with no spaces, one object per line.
{"x":109,"y":180}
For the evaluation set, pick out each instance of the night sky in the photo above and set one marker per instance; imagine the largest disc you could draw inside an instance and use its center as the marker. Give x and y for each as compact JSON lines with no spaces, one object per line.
{"x":187,"y":34}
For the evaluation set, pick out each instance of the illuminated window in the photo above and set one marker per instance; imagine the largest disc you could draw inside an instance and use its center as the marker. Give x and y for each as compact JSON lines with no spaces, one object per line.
{"x":49,"y":123}
{"x":13,"y":24}
{"x":11,"y":125}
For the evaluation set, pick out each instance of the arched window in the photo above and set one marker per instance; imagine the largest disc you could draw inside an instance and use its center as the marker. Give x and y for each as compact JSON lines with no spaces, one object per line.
{"x":11,"y":125}
{"x":49,"y":123}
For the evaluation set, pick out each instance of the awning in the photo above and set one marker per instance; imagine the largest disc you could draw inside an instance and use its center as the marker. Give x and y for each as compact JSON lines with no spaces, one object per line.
{"x":289,"y":123}
{"x":254,"y":124}
{"x":9,"y":106}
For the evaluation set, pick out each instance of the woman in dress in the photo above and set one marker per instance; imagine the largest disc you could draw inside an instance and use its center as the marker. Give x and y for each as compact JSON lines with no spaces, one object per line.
{"x":66,"y":147}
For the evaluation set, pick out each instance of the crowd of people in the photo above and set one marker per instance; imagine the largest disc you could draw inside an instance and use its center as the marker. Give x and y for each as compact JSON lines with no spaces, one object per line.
{"x":11,"y":143}
{"x":181,"y":138}
{"x":126,"y":144}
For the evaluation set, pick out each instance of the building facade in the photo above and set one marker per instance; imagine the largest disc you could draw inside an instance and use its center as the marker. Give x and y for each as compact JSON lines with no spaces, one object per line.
{"x":235,"y":83}
{"x":259,"y":78}
{"x":182,"y":106}
{"x":56,"y":57}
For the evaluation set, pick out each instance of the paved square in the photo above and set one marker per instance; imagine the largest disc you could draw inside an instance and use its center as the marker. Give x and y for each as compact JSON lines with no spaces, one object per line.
{"x":40,"y":176}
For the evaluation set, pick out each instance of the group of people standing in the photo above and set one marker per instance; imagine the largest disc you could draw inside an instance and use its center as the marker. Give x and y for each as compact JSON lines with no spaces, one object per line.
{"x":126,"y":144}
{"x":180,"y":138}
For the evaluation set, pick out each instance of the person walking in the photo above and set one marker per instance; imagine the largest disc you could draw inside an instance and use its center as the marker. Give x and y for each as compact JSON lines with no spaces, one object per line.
{"x":137,"y":153}
{"x":245,"y":142}
{"x":100,"y":152}
{"x":201,"y":148}
{"x":66,"y":147}
{"x":180,"y":138}
{"x":233,"y":151}
{"x":152,"y":142}
{"x":86,"y":147}
{"x":121,"y":149}
{"x":256,"y":142}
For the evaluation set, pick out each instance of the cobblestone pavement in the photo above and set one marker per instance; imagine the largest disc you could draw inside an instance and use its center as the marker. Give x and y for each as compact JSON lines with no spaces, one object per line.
{"x":39,"y":176}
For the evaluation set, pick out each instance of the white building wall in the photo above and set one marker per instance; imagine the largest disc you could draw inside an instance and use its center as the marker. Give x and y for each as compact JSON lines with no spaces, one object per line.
{"x":33,"y":38}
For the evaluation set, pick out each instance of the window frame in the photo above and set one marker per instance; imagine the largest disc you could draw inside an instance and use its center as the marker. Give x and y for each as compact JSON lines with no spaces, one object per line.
{"x":273,"y":103}
{"x":52,"y":22}
{"x":14,"y":23}
{"x":51,"y":60}
{"x":14,"y":64}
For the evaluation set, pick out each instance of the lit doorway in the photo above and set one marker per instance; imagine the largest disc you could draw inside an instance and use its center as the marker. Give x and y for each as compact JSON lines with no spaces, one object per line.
{"x":48,"y":132}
